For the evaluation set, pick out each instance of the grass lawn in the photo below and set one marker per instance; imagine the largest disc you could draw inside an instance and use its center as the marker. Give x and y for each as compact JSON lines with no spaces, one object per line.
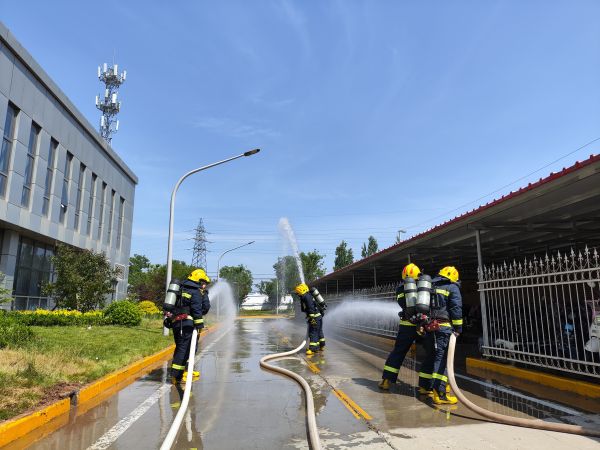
{"x":59,"y":359}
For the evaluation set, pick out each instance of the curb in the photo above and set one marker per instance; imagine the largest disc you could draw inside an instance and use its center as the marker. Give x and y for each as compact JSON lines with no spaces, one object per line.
{"x":19,"y":427}
{"x":582,"y":388}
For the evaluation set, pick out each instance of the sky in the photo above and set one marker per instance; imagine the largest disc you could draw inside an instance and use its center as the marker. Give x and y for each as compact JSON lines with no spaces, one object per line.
{"x":371,"y":116}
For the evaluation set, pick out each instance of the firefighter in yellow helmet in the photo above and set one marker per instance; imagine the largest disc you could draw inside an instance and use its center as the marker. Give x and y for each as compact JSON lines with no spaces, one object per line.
{"x":309,"y":306}
{"x":407,"y":329}
{"x":191,"y":306}
{"x":446,"y":318}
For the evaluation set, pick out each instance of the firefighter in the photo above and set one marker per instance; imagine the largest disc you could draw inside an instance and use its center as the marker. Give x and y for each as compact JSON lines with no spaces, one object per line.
{"x":407,"y":332}
{"x":192,"y":304}
{"x":446,"y":318}
{"x":309,"y":306}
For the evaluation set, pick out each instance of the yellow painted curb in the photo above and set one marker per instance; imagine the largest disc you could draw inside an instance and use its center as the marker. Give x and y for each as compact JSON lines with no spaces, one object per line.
{"x":15,"y":429}
{"x":582,"y":388}
{"x":97,"y":387}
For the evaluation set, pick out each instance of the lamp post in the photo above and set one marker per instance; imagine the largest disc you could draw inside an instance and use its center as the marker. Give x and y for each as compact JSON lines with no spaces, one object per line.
{"x":172,"y":211}
{"x":219,"y":268}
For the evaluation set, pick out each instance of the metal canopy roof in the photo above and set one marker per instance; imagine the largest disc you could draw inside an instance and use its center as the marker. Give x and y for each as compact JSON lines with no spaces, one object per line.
{"x":558,"y":212}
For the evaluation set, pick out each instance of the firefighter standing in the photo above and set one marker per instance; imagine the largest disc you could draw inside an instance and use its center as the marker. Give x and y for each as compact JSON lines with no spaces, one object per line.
{"x":188,"y":313}
{"x":309,"y":305}
{"x":446,"y":317}
{"x":407,"y":333}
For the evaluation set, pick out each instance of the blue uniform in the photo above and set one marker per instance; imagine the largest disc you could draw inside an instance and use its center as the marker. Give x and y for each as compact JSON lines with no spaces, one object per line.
{"x":407,"y":334}
{"x":187,"y":315}
{"x":446,"y":307}
{"x":314,"y":318}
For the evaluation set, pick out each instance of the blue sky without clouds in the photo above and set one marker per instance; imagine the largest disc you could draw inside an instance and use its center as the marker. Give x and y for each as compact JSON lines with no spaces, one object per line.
{"x":373,"y":116}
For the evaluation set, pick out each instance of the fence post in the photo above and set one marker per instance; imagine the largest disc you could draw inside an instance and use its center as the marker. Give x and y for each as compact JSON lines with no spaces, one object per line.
{"x":484,"y":322}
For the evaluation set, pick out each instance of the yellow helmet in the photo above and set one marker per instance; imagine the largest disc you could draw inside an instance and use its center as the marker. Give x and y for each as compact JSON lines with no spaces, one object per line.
{"x":199,"y":275}
{"x":301,"y":289}
{"x":411,"y":270}
{"x":450,"y":272}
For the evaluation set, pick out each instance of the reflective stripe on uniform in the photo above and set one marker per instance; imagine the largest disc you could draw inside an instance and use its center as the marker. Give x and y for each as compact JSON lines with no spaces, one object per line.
{"x":457,"y":322}
{"x":186,"y":295}
{"x":437,"y":376}
{"x":445,"y":324}
{"x":315,"y":315}
{"x":177,"y":366}
{"x":314,"y":343}
{"x":199,"y":321}
{"x":401,"y":295}
{"x":322,"y":340}
{"x":406,"y":323}
{"x":444,"y":292}
{"x":425,"y":375}
{"x":391,"y":369}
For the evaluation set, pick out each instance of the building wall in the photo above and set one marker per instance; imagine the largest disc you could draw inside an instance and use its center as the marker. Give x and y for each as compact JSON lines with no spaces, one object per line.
{"x":39,"y":101}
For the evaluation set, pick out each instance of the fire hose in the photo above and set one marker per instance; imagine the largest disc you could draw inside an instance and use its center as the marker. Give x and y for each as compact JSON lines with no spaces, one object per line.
{"x":508,"y":420}
{"x":172,"y":434}
{"x":313,"y":432}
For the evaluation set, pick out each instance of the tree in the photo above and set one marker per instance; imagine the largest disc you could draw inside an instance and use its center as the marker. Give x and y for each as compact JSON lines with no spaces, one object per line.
{"x":343,"y":256}
{"x":84,"y":279}
{"x":148,"y":281}
{"x":312,"y":263}
{"x":370,"y":248}
{"x":268,"y":287}
{"x":286,"y":270}
{"x":4,"y":292}
{"x":240,"y":277}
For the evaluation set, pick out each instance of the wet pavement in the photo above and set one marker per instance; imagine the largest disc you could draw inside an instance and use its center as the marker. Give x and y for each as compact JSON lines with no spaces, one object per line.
{"x":237,"y":405}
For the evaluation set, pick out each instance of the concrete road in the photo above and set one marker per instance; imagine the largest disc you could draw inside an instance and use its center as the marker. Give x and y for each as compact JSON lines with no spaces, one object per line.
{"x":237,"y":405}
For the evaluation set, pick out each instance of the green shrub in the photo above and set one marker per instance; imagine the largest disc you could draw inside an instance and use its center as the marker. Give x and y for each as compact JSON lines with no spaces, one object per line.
{"x":124,"y":313}
{"x":60,"y":317}
{"x":13,"y":334}
{"x":149,"y":308}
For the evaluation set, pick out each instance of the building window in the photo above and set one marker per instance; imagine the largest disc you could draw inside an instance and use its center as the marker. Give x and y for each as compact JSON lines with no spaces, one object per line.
{"x":120,"y":223}
{"x":49,"y":176}
{"x":33,"y":270}
{"x":79,"y":195}
{"x":34,"y":134}
{"x":7,"y":142}
{"x":64,"y":199}
{"x":101,"y":216}
{"x":91,"y":204}
{"x":111,"y":213}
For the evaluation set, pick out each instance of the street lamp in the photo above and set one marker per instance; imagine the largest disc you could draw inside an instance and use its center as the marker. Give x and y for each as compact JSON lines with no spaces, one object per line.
{"x":172,"y":212}
{"x":227,"y":251}
{"x":219,"y":267}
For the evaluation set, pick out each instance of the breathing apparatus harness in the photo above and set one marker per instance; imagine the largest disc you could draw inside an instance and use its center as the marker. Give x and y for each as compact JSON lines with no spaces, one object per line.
{"x":174,"y":310}
{"x":418,"y":304}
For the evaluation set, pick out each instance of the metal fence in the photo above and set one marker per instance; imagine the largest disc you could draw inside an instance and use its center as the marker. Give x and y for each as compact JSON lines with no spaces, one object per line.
{"x":544,"y":311}
{"x":21,"y":302}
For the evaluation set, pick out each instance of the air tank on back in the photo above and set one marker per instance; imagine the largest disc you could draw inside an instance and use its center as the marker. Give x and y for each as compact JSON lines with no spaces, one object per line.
{"x":318,"y":298}
{"x":423,"y":294}
{"x":172,"y":294}
{"x":410,"y":296}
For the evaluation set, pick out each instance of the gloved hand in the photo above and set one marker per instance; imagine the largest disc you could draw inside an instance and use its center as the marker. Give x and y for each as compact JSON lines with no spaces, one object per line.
{"x":167,"y":323}
{"x":199,"y":327}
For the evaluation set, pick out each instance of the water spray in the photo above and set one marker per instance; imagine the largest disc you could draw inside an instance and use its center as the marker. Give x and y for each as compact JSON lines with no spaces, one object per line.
{"x":287,"y":232}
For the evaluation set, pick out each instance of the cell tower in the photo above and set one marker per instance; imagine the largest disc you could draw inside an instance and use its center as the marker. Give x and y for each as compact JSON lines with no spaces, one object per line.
{"x":199,"y":251}
{"x":108,"y":104}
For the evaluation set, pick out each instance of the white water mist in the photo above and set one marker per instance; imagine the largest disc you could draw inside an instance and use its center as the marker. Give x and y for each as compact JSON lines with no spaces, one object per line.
{"x":287,"y":232}
{"x":223,"y":306}
{"x":365,"y":314}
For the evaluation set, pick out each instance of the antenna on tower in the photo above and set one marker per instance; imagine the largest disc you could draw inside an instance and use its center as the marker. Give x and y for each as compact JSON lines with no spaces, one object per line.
{"x":108,"y":103}
{"x":199,"y":251}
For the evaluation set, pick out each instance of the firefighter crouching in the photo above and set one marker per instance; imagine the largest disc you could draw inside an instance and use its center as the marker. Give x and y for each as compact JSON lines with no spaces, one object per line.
{"x":446,"y":318}
{"x":310,"y":306}
{"x":191,"y":305}
{"x":407,"y":329}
